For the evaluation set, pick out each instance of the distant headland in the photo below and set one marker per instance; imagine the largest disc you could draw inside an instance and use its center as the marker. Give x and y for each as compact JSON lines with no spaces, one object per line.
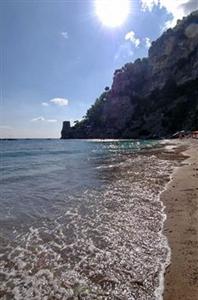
{"x":151,"y":98}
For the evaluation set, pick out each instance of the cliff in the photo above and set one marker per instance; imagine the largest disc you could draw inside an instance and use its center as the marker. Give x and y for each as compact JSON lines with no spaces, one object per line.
{"x":152,"y":97}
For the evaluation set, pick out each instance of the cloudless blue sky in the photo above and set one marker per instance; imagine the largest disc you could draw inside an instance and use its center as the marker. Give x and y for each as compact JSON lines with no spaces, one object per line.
{"x":60,"y":49}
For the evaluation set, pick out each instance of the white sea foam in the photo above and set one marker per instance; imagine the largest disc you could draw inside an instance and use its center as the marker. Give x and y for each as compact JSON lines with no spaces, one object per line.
{"x":160,"y":289}
{"x":111,"y":244}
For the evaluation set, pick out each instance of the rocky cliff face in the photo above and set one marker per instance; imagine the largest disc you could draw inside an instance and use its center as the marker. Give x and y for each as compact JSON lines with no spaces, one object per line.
{"x":152,"y":97}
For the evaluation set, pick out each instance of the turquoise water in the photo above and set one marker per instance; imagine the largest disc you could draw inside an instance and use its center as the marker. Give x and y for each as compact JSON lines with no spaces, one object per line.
{"x":80,"y":219}
{"x":37,"y":174}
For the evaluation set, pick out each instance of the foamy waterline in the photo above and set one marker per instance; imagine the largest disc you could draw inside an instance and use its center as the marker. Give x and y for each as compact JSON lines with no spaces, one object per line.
{"x":109,"y":250}
{"x":170,"y":147}
{"x":160,"y":289}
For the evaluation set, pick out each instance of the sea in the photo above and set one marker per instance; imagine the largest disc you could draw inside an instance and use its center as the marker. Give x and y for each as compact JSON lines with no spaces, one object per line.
{"x":82,"y":219}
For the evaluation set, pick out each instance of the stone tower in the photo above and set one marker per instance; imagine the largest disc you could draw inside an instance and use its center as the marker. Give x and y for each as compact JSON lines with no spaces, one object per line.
{"x":66,"y":130}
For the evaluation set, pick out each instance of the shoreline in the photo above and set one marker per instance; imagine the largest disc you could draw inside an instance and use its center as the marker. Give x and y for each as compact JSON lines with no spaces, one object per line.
{"x":180,"y":199}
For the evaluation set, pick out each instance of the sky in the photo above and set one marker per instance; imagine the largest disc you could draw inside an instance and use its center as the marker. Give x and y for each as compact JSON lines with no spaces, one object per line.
{"x":58,"y":56}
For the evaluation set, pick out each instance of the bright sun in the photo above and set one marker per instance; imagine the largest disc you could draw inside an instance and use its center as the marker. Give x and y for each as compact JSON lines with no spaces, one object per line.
{"x":112,"y":13}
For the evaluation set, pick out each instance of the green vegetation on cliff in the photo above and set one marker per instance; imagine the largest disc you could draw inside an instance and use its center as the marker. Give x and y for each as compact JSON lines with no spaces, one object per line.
{"x":152,"y":97}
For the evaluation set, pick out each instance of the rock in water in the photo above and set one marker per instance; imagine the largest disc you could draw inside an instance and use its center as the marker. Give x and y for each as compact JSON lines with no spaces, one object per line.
{"x":66,"y":130}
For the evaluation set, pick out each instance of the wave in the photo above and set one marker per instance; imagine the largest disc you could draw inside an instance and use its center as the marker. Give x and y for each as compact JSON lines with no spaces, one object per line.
{"x":108,"y":245}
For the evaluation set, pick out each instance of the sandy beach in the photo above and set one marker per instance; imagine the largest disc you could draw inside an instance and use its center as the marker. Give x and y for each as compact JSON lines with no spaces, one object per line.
{"x":181,"y":227}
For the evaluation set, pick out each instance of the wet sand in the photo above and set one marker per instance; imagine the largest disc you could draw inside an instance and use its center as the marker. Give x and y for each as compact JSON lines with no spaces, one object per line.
{"x":181,"y":227}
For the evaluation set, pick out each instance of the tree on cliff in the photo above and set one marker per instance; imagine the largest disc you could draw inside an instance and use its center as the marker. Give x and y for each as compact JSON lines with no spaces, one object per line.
{"x":154,"y":96}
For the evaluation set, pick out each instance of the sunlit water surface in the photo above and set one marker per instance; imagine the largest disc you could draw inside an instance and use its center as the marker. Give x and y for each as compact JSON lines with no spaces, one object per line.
{"x":81,"y":220}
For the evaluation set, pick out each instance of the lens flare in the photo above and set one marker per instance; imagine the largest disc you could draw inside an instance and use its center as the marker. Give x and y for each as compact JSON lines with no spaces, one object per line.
{"x":112,"y":13}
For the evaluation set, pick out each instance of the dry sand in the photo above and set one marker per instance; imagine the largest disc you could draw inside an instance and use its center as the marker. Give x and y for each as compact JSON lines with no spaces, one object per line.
{"x":181,"y":227}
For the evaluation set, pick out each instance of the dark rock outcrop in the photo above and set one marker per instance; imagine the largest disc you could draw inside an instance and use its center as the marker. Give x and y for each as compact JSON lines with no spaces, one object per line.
{"x":152,"y":97}
{"x":66,"y":130}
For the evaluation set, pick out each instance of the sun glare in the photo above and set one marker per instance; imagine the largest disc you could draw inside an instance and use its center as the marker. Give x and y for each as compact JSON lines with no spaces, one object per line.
{"x":112,"y":13}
